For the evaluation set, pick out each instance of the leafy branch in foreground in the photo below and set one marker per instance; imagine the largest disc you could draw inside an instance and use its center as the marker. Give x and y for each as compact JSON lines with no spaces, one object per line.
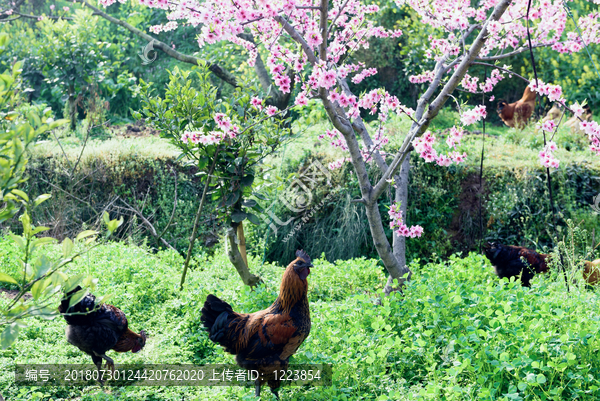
{"x":41,"y":275}
{"x":226,"y":141}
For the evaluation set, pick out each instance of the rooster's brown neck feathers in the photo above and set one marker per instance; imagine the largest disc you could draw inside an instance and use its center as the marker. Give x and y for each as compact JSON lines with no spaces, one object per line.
{"x":292,"y":289}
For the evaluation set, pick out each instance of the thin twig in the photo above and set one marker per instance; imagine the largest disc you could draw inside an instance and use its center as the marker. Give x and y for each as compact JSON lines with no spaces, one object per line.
{"x":197,"y":220}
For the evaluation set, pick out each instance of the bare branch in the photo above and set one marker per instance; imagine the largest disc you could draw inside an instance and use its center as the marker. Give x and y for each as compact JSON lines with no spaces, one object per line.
{"x":336,"y":17}
{"x":502,"y":69}
{"x":513,"y":53}
{"x":296,"y":36}
{"x":42,"y":16}
{"x":14,"y":7}
{"x":148,"y":225}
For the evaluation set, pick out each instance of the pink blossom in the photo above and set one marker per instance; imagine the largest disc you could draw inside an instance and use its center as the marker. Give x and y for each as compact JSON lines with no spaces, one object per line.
{"x":256,"y":102}
{"x":301,"y":100}
{"x":474,"y":115}
{"x":548,"y":126}
{"x":271,"y":110}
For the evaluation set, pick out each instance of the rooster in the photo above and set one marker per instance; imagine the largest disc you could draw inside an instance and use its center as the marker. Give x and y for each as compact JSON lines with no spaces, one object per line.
{"x":265,"y":340}
{"x":95,"y":329}
{"x":510,"y":261}
{"x":517,"y":114}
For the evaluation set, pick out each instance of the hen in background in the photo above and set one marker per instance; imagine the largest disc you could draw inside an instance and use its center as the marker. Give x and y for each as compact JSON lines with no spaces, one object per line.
{"x":574,"y":122}
{"x":510,"y":261}
{"x":517,"y":114}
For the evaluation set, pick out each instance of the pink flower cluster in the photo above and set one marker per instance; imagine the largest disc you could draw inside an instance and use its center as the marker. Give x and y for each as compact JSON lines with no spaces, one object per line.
{"x":592,"y":129}
{"x":365,"y":73}
{"x":554,"y":92}
{"x":107,"y":3}
{"x":474,"y":115}
{"x":379,"y":100}
{"x":397,"y":223}
{"x":547,"y":155}
{"x":426,"y":76}
{"x":198,"y":138}
{"x":424,"y":146}
{"x":577,"y":109}
{"x":256,"y":103}
{"x":337,"y":139}
{"x":548,"y":126}
{"x":343,"y":99}
{"x":339,"y":163}
{"x":228,"y":130}
{"x":169,"y":26}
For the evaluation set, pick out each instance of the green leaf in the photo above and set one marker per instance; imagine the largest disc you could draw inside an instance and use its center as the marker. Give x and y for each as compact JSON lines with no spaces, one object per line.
{"x":253,"y":218}
{"x":77,"y":297}
{"x":26,"y":221}
{"x":73,"y":282}
{"x":43,"y":265}
{"x":232,"y":198}
{"x":237,"y":216}
{"x":105,"y":218}
{"x":7,"y":279}
{"x":41,"y":199}
{"x":43,"y":241}
{"x":38,"y":288}
{"x":247,"y":180}
{"x":249,"y":203}
{"x":18,"y":240}
{"x":259,"y":195}
{"x":39,"y":229}
{"x":10,"y":334}
{"x":21,"y":194}
{"x":44,"y":313}
{"x":86,"y":233}
{"x":67,"y":247}
{"x":541,"y":379}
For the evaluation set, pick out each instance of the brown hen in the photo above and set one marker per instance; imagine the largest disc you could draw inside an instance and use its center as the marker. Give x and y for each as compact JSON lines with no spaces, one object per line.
{"x":517,"y":114}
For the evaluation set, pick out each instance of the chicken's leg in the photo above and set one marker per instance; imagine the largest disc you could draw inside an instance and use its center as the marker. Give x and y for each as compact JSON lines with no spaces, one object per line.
{"x":110,"y":364}
{"x":257,"y":389}
{"x":98,"y":362}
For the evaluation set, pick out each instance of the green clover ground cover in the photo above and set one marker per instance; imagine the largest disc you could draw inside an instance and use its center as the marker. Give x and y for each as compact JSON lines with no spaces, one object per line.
{"x":458,"y":333}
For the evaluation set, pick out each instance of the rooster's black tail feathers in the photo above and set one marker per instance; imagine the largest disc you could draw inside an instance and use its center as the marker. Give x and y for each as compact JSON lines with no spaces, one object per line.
{"x":215,"y":317}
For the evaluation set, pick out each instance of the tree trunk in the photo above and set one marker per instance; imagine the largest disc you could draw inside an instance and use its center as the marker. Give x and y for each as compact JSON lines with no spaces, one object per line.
{"x":399,"y":242}
{"x":383,"y":247}
{"x":242,"y":238}
{"x":236,"y":259}
{"x":72,"y":105}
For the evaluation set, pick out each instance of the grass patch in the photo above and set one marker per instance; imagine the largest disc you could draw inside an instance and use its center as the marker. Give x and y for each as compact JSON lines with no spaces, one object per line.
{"x":456,"y":334}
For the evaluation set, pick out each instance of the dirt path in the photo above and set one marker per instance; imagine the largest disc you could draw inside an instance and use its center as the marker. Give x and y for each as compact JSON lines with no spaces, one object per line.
{"x":12,"y":294}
